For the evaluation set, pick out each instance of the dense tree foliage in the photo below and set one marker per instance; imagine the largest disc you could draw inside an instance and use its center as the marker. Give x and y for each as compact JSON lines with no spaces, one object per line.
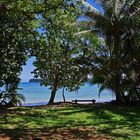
{"x":17,"y":36}
{"x":106,"y":45}
{"x":116,"y":63}
{"x":56,"y":56}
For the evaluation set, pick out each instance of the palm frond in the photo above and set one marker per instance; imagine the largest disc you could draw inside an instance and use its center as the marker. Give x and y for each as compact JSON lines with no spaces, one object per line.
{"x":101,"y":21}
{"x":19,"y":98}
{"x":101,"y":88}
{"x":89,"y":7}
{"x":130,"y":8}
{"x":83,"y":32}
{"x":88,"y":23}
{"x":118,"y":4}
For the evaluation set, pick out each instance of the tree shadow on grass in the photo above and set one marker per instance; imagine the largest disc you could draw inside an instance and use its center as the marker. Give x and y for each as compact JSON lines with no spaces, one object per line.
{"x":116,"y":121}
{"x":55,"y":133}
{"x":52,"y":123}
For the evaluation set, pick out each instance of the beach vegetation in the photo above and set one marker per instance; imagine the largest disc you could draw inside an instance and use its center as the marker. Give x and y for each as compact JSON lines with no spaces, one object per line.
{"x":10,"y":96}
{"x":60,"y":50}
{"x":71,"y":40}
{"x":17,"y":35}
{"x":105,"y":45}
{"x":115,"y":64}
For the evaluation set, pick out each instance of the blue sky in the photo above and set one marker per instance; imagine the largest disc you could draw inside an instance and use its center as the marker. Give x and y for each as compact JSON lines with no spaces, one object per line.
{"x":28,"y":68}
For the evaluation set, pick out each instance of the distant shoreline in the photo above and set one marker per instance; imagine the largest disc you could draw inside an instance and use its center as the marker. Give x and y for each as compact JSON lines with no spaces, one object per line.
{"x":34,"y":80}
{"x":37,"y":94}
{"x":45,"y":103}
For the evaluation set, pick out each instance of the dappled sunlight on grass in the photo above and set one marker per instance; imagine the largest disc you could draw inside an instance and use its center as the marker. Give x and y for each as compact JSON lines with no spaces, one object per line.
{"x":116,"y":121}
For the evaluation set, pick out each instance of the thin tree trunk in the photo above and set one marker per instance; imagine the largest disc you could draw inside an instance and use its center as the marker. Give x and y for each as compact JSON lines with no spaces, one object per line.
{"x":63,"y":95}
{"x":53,"y":92}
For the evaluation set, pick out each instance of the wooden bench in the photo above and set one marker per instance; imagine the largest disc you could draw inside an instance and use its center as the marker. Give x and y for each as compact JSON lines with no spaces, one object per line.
{"x":76,"y":101}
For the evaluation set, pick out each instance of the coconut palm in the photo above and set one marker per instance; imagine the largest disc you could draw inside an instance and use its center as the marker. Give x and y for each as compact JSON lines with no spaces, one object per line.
{"x":116,"y":26}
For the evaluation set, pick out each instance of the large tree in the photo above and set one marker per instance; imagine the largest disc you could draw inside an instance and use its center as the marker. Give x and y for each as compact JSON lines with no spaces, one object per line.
{"x":56,"y":56}
{"x":17,"y":36}
{"x":115,"y":63}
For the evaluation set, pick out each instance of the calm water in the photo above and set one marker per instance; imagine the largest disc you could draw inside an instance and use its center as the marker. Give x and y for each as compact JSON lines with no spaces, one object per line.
{"x":35,"y":93}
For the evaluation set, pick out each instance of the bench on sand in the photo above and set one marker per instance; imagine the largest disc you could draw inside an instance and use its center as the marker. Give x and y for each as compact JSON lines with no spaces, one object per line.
{"x":86,"y":101}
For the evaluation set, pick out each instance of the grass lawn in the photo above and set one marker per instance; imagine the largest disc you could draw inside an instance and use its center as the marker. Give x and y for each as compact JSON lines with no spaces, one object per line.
{"x":72,"y":122}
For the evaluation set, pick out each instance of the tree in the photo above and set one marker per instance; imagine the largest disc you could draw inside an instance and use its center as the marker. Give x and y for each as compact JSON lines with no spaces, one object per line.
{"x":17,"y":36}
{"x":111,"y":61}
{"x":56,"y":56}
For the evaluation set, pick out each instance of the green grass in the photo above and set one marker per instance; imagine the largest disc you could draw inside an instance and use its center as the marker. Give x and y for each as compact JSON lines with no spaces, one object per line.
{"x":119,"y":122}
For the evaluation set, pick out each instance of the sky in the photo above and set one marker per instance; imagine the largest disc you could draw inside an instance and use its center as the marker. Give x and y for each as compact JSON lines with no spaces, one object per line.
{"x":28,"y":68}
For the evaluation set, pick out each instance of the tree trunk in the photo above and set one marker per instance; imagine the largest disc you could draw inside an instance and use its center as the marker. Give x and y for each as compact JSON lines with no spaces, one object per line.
{"x":119,"y":97}
{"x":117,"y":88}
{"x":53,"y":92}
{"x":118,"y":93}
{"x":63,"y":95}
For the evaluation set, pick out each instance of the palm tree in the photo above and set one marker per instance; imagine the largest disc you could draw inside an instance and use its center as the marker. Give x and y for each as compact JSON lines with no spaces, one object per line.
{"x":11,"y":97}
{"x":116,"y":26}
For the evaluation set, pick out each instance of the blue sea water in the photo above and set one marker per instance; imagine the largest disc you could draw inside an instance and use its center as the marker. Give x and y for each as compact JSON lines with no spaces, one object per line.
{"x":36,"y":94}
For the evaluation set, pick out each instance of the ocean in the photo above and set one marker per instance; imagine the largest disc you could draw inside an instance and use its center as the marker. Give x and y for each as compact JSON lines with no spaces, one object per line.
{"x":39,"y":95}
